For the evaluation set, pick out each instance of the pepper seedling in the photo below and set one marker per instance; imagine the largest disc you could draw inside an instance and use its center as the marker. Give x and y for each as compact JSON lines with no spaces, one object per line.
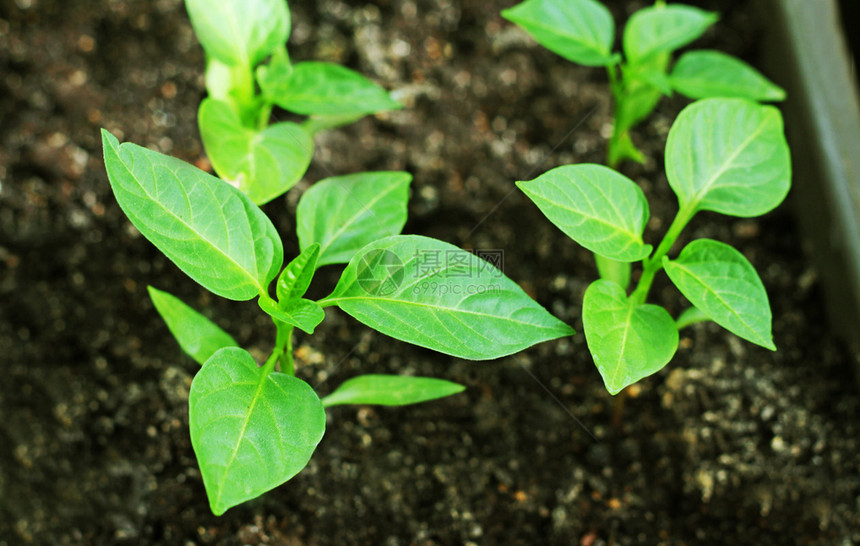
{"x":253,"y":428}
{"x":248,"y":72}
{"x":583,"y":31}
{"x":728,"y":156}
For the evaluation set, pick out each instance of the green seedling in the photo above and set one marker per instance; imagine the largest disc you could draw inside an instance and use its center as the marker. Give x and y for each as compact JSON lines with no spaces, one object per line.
{"x":248,"y":72}
{"x":583,"y":31}
{"x":254,"y":427}
{"x":728,"y":156}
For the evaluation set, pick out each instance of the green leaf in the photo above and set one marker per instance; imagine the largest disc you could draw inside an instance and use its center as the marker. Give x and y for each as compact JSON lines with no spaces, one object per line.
{"x":251,"y":430}
{"x":301,"y":313}
{"x":262,"y":164}
{"x":345,"y":213}
{"x":198,"y":336}
{"x":728,"y":156}
{"x":390,"y":390}
{"x":239,"y":32}
{"x":208,"y":228}
{"x":719,"y":281}
{"x":581,"y":31}
{"x":311,"y":88}
{"x":433,"y":294}
{"x":660,"y":29}
{"x":296,"y":277}
{"x":704,"y":74}
{"x":627,"y":341}
{"x":597,"y":207}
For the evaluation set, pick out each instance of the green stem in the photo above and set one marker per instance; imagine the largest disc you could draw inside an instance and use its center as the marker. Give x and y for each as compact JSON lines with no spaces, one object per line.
{"x":613,"y":270}
{"x":652,"y":265}
{"x":284,"y":347}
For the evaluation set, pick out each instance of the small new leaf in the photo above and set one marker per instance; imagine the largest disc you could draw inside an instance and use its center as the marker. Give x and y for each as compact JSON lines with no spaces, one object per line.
{"x":316,"y":88}
{"x":581,"y":31}
{"x":627,"y":341}
{"x":728,"y":156}
{"x":721,"y":282}
{"x":345,"y":213}
{"x":208,"y":228}
{"x":263,"y":164}
{"x":239,"y":32}
{"x":433,"y":294}
{"x":198,"y":336}
{"x":390,"y":390}
{"x":703,"y":74}
{"x":251,"y":431}
{"x":597,"y":207}
{"x":301,"y":313}
{"x":659,"y":29}
{"x":296,"y":277}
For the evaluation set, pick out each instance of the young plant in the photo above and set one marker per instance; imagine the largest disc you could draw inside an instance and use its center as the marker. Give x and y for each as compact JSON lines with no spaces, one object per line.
{"x":253,"y":428}
{"x":248,"y":72}
{"x":582,"y":31}
{"x":723,"y":155}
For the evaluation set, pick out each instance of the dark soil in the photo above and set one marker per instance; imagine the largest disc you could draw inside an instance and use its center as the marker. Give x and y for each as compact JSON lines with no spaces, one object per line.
{"x":731,"y":444}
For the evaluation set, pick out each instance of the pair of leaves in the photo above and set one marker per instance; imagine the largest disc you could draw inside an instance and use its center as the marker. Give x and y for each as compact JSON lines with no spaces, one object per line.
{"x":263,"y":164}
{"x":724,"y":155}
{"x":582,"y":31}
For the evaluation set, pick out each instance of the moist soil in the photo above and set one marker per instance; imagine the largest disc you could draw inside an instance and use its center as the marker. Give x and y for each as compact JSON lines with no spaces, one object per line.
{"x":730,"y":444}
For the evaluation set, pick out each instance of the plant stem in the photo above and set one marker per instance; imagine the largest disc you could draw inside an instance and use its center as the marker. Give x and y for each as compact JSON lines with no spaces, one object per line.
{"x":652,"y":265}
{"x":613,"y":270}
{"x":284,"y":347}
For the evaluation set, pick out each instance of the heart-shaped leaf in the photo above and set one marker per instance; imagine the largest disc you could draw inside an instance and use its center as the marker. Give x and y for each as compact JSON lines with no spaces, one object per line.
{"x":719,"y":281}
{"x":627,"y":341}
{"x":316,"y":88}
{"x":659,"y":29}
{"x":296,"y":277}
{"x":728,"y":156}
{"x":251,"y":431}
{"x":597,"y":207}
{"x":345,"y":213}
{"x":435,"y":295}
{"x":262,"y":164}
{"x":239,"y":32}
{"x":198,"y":336}
{"x":301,"y":313}
{"x":390,"y":390}
{"x":208,"y":228}
{"x":703,"y":74}
{"x":581,"y":31}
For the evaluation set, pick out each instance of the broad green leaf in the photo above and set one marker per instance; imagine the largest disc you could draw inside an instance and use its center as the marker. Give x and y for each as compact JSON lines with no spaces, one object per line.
{"x":627,"y":341}
{"x":239,"y":32}
{"x":311,"y":88}
{"x":728,"y":156}
{"x":251,"y":431}
{"x":301,"y":313}
{"x":262,"y":164}
{"x":433,"y":294}
{"x":390,"y":390}
{"x":597,"y":207}
{"x":297,"y":276}
{"x":581,"y":31}
{"x":208,"y":228}
{"x":703,"y":74}
{"x":198,"y":336}
{"x":719,"y":281}
{"x":345,"y":213}
{"x":659,"y":29}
